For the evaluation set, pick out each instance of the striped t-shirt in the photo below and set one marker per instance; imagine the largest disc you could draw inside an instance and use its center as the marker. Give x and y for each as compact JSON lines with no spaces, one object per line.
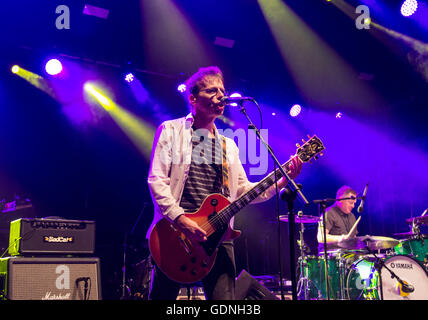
{"x":205,"y":173}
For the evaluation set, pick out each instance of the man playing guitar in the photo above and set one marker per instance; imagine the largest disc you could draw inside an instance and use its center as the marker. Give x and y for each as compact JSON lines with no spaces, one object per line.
{"x":183,"y":173}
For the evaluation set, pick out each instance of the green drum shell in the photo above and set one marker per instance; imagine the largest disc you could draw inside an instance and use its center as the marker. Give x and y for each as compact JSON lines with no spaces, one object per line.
{"x":417,"y":248}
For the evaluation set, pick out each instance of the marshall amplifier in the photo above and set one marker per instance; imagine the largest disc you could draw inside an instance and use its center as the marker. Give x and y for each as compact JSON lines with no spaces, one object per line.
{"x":49,"y":278}
{"x":51,"y":236}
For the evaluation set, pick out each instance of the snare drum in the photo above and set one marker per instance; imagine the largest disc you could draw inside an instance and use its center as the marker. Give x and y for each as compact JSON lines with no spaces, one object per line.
{"x":411,"y":272}
{"x":417,"y":248}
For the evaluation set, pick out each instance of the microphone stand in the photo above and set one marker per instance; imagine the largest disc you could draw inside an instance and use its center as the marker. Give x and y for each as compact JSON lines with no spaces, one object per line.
{"x":379,"y":264}
{"x":322,"y":208}
{"x":125,"y":245}
{"x":295,"y":192}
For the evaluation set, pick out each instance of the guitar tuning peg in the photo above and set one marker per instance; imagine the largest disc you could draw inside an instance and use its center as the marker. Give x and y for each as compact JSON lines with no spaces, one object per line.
{"x":309,"y":136}
{"x":321,"y":154}
{"x":303,"y":140}
{"x":297,"y":145}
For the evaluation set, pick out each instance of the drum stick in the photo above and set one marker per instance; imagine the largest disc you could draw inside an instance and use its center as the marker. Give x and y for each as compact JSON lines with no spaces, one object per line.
{"x":354,"y":226}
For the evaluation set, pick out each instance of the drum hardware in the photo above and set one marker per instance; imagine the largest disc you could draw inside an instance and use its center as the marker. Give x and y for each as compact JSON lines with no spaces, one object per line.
{"x":303,"y":282}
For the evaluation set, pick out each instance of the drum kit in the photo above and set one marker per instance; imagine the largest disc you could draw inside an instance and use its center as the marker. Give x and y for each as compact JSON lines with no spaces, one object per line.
{"x":365,"y":267}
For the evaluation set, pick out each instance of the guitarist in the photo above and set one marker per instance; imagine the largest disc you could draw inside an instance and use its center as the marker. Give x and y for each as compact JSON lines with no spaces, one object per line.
{"x":191,"y":160}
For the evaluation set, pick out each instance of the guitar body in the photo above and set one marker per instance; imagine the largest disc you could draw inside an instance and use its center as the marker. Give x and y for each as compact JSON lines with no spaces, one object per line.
{"x":182,"y":260}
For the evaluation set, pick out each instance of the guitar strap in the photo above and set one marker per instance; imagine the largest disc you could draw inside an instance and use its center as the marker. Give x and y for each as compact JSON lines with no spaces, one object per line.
{"x":225,"y":171}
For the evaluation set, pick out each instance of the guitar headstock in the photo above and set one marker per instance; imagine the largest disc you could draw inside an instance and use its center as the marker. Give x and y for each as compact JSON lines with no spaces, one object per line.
{"x":312,"y":148}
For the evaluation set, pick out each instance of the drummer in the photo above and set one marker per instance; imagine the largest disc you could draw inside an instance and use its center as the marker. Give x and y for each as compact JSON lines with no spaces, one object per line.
{"x":338,"y":221}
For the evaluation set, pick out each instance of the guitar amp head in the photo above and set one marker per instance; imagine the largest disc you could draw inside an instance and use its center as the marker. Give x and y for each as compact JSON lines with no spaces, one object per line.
{"x":51,"y":236}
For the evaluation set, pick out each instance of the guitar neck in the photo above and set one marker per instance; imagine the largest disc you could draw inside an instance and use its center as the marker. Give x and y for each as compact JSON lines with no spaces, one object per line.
{"x":252,"y":194}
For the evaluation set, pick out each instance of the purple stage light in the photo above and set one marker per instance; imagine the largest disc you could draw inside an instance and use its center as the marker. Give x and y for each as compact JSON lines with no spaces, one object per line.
{"x":181,"y":88}
{"x":409,"y":7}
{"x":339,"y":115}
{"x":95,"y":11}
{"x":295,"y":110}
{"x":53,"y":67}
{"x":235,"y":94}
{"x":129,"y":77}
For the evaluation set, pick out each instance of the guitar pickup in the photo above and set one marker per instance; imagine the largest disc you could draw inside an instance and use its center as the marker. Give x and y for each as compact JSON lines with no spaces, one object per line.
{"x":185,"y":243}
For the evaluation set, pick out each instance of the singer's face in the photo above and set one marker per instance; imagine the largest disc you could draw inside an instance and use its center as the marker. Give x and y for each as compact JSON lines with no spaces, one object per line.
{"x":347,"y":205}
{"x":207,"y":102}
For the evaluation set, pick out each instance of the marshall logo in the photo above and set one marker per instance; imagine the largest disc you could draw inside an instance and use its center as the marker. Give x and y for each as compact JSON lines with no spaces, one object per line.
{"x":60,"y":296}
{"x":58,"y":239}
{"x":401,"y":265}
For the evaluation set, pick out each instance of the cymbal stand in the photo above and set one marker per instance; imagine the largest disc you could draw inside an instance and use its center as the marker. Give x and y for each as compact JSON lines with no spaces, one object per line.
{"x":342,"y":269}
{"x":322,"y":210}
{"x":294,"y":192}
{"x":304,"y":280}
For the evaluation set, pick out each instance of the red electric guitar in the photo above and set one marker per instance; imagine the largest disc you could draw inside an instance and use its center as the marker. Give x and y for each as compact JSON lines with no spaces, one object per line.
{"x":185,"y":261}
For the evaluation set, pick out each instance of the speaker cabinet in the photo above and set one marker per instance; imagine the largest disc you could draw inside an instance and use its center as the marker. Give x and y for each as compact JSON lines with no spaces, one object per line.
{"x":48,"y":278}
{"x":248,"y":288}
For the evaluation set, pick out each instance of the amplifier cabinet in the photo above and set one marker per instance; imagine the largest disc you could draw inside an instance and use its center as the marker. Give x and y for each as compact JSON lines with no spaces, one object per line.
{"x":48,"y":278}
{"x":51,"y":236}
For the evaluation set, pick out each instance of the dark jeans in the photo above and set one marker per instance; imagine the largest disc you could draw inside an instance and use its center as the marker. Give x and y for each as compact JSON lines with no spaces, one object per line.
{"x":219,"y":284}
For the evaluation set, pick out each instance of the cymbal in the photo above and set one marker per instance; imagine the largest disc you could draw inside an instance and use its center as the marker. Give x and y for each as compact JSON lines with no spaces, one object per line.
{"x":302,"y":219}
{"x":418,"y":220}
{"x":368,"y":242}
{"x":405,"y":234}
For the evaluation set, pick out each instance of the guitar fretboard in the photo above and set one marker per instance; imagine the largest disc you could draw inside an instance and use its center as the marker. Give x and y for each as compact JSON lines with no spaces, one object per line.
{"x":224,"y":216}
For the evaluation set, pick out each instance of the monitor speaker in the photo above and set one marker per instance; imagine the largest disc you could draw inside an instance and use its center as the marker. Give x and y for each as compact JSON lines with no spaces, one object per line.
{"x":248,"y":288}
{"x":48,"y":278}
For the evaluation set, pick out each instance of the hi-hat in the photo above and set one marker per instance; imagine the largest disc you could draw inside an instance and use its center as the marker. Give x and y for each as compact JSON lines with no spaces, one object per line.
{"x":301,"y":219}
{"x":418,"y":220}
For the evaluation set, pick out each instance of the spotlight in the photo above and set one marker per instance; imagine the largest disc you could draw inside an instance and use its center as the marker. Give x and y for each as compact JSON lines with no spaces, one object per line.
{"x":295,"y":110}
{"x":15,"y":69}
{"x":181,"y":88}
{"x":53,"y":67}
{"x":129,"y":77}
{"x":409,"y":7}
{"x":339,"y":115}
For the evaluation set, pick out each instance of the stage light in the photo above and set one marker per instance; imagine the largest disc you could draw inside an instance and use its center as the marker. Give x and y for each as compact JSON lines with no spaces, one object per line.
{"x":95,"y":92}
{"x":53,"y":67}
{"x":235,"y":94}
{"x":295,"y":110}
{"x":129,"y":77}
{"x":182,"y":88}
{"x":15,"y":69}
{"x":339,"y":115}
{"x":409,"y":7}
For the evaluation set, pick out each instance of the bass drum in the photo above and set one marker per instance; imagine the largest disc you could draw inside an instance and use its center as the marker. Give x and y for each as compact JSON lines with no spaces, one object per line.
{"x":411,"y":272}
{"x":362,"y":280}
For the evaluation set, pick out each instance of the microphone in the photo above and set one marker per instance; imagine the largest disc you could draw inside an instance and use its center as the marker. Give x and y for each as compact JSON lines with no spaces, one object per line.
{"x":361,"y":206}
{"x":228,"y":100}
{"x":406,"y":287}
